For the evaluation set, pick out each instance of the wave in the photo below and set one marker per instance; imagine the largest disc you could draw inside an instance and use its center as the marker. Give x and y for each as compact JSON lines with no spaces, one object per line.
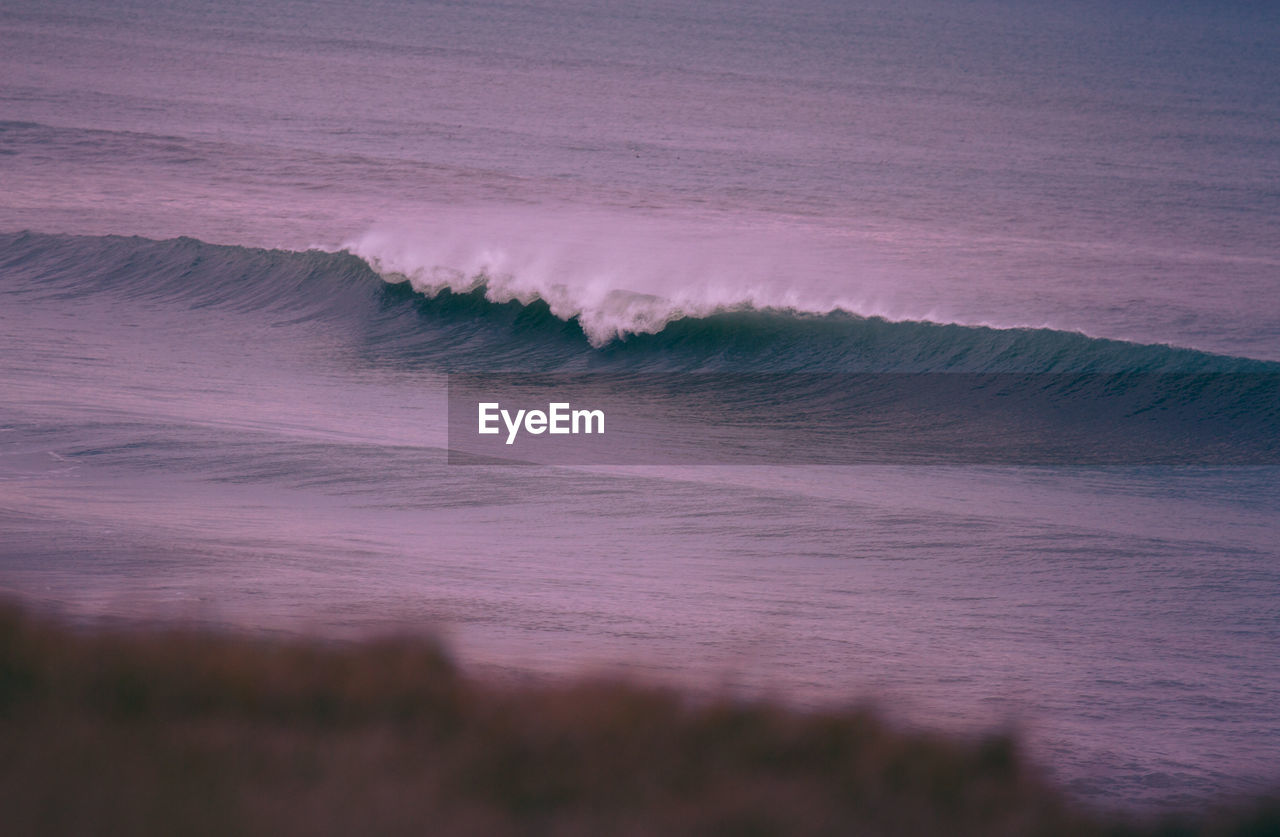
{"x":481,"y":321}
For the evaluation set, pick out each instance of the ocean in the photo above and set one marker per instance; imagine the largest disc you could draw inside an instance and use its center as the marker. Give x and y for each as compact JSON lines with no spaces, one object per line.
{"x":251,"y":252}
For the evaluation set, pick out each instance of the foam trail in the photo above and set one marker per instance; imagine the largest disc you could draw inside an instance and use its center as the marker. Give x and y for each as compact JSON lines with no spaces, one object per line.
{"x":618,"y":276}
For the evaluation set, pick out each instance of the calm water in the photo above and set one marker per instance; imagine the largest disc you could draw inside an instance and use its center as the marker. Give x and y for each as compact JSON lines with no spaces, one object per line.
{"x":200,"y":429}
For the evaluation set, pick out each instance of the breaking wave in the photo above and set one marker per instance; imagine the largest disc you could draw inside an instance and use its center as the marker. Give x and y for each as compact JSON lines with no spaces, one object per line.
{"x":488,"y":320}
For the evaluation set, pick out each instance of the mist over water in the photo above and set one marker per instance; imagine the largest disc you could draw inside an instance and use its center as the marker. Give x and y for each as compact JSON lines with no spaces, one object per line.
{"x":258,"y":437}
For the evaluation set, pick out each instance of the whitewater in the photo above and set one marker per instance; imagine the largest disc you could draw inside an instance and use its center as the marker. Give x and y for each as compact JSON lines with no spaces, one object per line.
{"x":247,"y":254}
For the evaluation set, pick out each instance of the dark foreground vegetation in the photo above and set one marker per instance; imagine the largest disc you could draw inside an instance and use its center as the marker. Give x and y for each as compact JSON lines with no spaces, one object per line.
{"x":180,"y":732}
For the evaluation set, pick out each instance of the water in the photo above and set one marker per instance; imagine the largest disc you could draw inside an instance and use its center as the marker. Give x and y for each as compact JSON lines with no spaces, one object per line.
{"x":200,"y":429}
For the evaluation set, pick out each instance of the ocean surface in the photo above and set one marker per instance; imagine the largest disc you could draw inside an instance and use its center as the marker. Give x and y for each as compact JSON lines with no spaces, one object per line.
{"x":244,"y":247}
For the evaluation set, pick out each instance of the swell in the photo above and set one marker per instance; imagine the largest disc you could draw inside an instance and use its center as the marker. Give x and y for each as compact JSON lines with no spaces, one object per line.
{"x":464,"y":328}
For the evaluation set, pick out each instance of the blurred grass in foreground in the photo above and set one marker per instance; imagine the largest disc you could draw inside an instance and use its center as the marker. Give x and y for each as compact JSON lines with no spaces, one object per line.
{"x":168,"y":731}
